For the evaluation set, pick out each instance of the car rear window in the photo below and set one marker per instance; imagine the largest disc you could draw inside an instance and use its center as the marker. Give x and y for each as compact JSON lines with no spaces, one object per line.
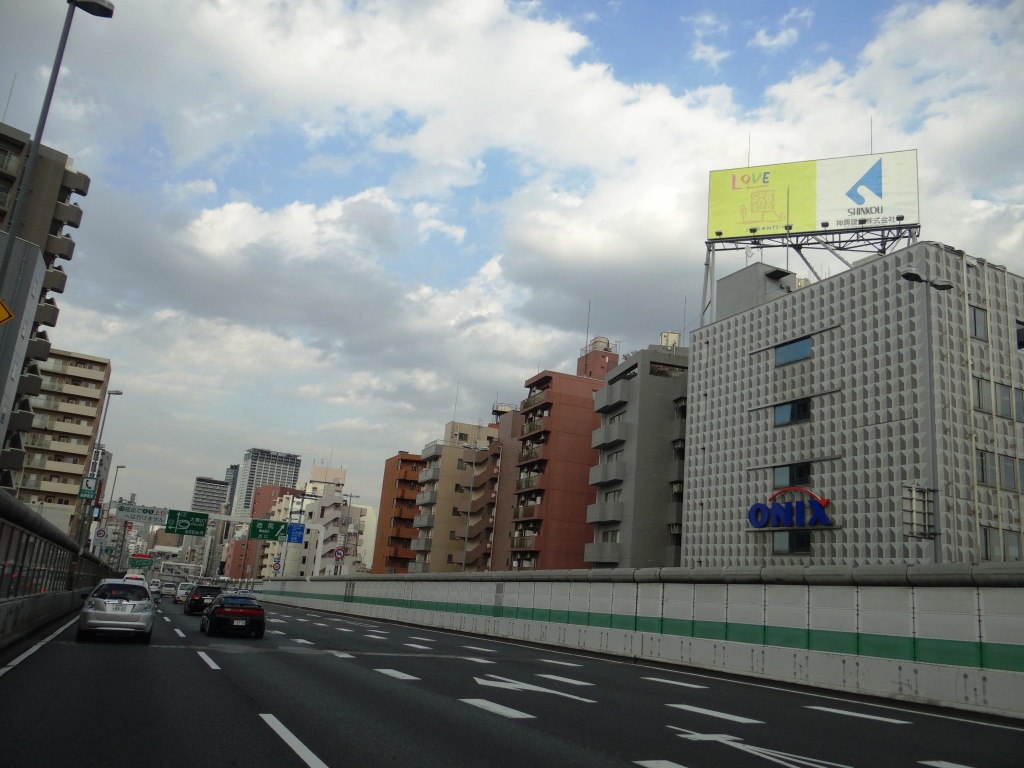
{"x":121,"y":592}
{"x":206,"y":591}
{"x":246,"y":602}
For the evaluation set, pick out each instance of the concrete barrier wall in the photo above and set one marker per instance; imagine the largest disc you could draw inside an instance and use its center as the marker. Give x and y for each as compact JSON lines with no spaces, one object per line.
{"x":20,"y":616}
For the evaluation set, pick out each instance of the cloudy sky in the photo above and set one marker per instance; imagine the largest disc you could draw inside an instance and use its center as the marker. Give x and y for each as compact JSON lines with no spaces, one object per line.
{"x":311,"y":222}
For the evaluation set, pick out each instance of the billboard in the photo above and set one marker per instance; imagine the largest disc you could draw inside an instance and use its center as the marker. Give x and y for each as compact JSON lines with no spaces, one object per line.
{"x":841,"y":191}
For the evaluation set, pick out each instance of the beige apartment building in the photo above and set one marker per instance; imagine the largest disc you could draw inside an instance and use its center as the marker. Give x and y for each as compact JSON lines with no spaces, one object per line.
{"x":59,"y":446}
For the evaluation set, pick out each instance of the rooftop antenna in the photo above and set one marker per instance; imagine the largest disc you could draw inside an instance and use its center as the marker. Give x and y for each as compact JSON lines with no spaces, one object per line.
{"x":9,"y":94}
{"x":871,"y":135}
{"x":455,"y":410}
{"x":586,"y":338}
{"x":748,"y":150}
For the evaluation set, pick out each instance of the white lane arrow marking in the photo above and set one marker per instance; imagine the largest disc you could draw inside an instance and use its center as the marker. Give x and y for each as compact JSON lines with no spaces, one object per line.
{"x":515,"y":685}
{"x":774,"y":756}
{"x":568,"y":680}
{"x":396,"y":674}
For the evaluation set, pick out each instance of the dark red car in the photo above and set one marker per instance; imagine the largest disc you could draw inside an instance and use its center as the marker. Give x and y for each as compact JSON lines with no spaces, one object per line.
{"x":235,"y":615}
{"x":200,"y":597}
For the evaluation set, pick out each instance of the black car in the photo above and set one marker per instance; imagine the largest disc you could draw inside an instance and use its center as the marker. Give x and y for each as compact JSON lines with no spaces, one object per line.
{"x":233,"y":614}
{"x":200,"y":597}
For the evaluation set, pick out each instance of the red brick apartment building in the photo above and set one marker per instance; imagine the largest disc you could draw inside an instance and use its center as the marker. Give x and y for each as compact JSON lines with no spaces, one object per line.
{"x":553,"y":461}
{"x":392,"y":552}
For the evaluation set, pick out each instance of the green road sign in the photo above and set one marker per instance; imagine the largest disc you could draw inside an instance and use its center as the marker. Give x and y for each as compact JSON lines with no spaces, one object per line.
{"x":140,"y":562}
{"x":109,"y":550}
{"x":88,"y":488}
{"x":268,"y":530}
{"x":187,"y":523}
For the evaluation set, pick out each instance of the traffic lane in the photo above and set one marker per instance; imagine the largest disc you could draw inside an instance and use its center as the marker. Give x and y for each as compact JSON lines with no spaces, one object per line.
{"x":112,"y":702}
{"x":348,"y":713}
{"x":883,"y":730}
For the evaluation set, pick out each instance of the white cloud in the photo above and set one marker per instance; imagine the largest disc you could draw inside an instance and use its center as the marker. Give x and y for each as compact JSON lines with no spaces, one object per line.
{"x":787,"y":34}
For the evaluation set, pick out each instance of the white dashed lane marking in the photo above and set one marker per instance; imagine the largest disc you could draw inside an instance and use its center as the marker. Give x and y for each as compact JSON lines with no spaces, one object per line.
{"x":396,"y":674}
{"x":568,"y":680}
{"x":859,"y":714}
{"x":672,"y":682}
{"x":497,"y":709}
{"x":715,"y":713}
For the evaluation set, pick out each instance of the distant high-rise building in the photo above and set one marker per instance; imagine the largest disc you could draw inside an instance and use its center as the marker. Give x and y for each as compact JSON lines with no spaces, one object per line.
{"x":231,"y":476}
{"x":208,"y":494}
{"x":263,"y":467}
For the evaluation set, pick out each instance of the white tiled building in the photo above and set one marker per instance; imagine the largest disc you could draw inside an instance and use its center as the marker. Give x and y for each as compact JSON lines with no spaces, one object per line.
{"x":849,"y":390}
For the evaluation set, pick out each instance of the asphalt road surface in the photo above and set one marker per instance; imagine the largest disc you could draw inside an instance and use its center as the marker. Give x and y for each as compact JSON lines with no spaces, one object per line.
{"x":329,"y":690}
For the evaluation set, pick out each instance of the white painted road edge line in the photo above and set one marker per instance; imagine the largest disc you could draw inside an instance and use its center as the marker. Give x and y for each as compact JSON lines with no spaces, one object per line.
{"x":208,"y":660}
{"x":560,"y":663}
{"x":35,"y":648}
{"x":300,"y":749}
{"x":859,"y":714}
{"x":497,"y":709}
{"x":179,"y":632}
{"x":713,"y":713}
{"x":672,"y":682}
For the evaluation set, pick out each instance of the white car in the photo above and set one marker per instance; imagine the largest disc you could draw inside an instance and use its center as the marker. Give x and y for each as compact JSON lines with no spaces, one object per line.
{"x":117,"y":607}
{"x":181,"y":594}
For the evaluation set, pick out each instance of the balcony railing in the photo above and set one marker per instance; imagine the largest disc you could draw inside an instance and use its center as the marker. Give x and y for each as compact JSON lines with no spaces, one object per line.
{"x":526,"y":511}
{"x":532,"y":400}
{"x":420,"y":545}
{"x":532,"y":426}
{"x":524,"y":542}
{"x":430,"y":475}
{"x":529,"y":454}
{"x":526,"y":482}
{"x":423,"y":521}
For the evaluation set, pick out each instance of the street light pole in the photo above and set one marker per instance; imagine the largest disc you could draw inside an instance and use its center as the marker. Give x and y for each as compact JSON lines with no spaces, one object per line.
{"x":103,"y":9}
{"x":113,"y":485}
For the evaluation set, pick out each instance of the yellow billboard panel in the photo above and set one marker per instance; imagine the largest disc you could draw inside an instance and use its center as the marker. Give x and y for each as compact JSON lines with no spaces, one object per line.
{"x":858,"y":192}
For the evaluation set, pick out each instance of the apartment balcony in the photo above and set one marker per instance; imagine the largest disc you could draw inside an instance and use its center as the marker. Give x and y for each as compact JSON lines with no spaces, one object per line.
{"x":54,"y":280}
{"x":537,"y":398}
{"x":532,"y":426}
{"x":416,"y":567}
{"x":68,"y":214}
{"x":423,"y":521}
{"x":40,"y":442}
{"x":601,"y":552}
{"x":407,"y":493}
{"x":426,"y":498}
{"x":19,"y":421}
{"x":432,"y":450}
{"x":400,"y":553}
{"x":38,"y":348}
{"x":61,"y":246}
{"x":47,"y":312}
{"x":606,"y":512}
{"x":421,"y":545}
{"x":526,"y":512}
{"x":76,"y":181}
{"x":397,"y":532}
{"x":610,"y":434}
{"x":527,"y":543}
{"x":674,"y":513}
{"x":677,"y":471}
{"x":430,"y":475}
{"x":612,"y":396}
{"x":678,"y":430}
{"x":606,"y":474}
{"x":526,"y":483}
{"x":9,"y":163}
{"x":78,"y":371}
{"x":30,"y":384}
{"x":475,"y":529}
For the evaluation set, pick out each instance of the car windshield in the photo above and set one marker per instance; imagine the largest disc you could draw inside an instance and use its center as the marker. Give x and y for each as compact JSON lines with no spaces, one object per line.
{"x":121,"y":592}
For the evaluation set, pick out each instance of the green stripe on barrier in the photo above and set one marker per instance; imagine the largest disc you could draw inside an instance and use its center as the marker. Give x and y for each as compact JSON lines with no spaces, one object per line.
{"x":1000,"y":656}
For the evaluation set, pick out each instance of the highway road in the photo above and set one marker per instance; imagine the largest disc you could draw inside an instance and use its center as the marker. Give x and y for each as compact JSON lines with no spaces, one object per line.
{"x":329,"y":690}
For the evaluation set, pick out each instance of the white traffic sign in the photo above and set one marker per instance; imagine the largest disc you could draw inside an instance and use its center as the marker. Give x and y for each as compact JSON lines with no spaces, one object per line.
{"x":101,"y":533}
{"x":339,"y":554}
{"x":277,"y":566}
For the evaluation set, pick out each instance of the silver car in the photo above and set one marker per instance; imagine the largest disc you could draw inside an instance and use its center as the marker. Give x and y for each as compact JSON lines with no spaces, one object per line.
{"x":117,"y":607}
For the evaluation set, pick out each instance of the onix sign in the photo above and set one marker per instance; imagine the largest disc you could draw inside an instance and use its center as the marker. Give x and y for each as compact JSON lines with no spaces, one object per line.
{"x":802,"y":513}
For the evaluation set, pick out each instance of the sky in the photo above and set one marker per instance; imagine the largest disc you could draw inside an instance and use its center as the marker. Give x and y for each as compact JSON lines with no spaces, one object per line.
{"x":328,"y":227}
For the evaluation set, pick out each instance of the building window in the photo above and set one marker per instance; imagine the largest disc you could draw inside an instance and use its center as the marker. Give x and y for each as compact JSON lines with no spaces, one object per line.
{"x":1007,"y":473}
{"x":1012,"y":553}
{"x":791,"y":542}
{"x":793,"y":351}
{"x":985,"y":468}
{"x":615,"y":495}
{"x":614,"y":456}
{"x":793,"y":474}
{"x":617,"y":417}
{"x":790,"y":413}
{"x":610,"y":537}
{"x":981,"y":395}
{"x":989,"y":543}
{"x":979,"y":323}
{"x":1004,"y":401}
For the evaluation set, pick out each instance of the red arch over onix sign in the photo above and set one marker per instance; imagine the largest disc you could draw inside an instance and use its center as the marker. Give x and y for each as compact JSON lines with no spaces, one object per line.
{"x":802,"y":513}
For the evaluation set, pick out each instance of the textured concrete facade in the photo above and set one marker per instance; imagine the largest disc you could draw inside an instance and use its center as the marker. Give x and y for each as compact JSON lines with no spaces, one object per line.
{"x":891,"y":395}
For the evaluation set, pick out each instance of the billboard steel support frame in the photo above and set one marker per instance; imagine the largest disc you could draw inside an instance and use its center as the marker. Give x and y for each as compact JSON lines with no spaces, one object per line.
{"x":879,"y":240}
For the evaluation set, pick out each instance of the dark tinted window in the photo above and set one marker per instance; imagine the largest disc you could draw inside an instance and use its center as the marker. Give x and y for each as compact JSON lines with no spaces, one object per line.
{"x":246,"y":602}
{"x":206,"y":591}
{"x":794,"y":350}
{"x":121,"y":592}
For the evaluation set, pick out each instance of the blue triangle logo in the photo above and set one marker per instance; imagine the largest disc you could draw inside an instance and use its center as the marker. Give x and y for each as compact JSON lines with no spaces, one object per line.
{"x":872,"y":180}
